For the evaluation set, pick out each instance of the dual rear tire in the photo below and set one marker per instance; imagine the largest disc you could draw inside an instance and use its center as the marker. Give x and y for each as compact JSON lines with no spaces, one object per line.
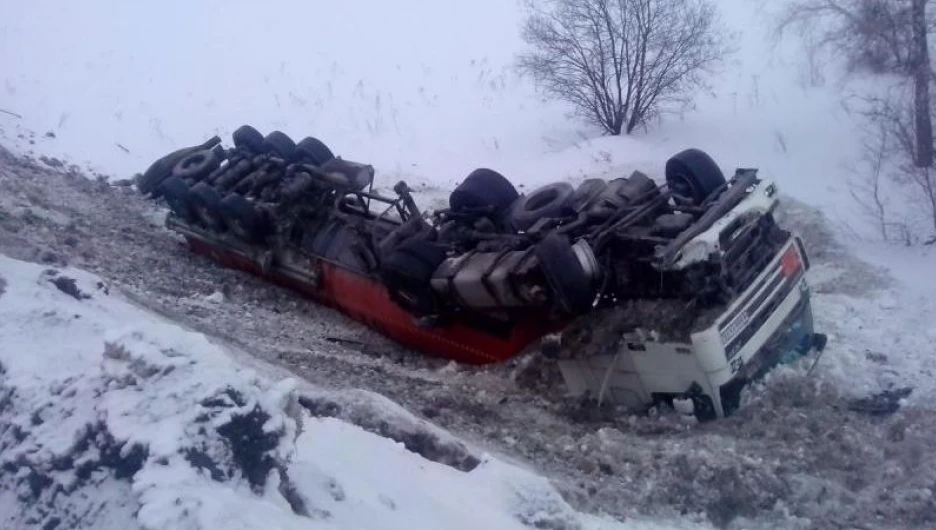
{"x":407,"y":271}
{"x":203,"y":205}
{"x":200,"y":203}
{"x":309,"y":150}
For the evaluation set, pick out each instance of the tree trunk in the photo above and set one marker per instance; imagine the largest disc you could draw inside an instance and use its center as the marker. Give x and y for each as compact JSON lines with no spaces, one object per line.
{"x":923,"y":123}
{"x":634,"y":119}
{"x":618,"y":122}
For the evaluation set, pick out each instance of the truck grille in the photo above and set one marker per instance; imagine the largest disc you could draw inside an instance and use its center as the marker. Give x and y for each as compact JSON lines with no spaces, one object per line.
{"x":748,"y":249}
{"x":762,"y":301}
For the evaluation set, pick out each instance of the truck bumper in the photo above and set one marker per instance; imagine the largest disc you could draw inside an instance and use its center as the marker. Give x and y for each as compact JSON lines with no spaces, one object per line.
{"x":793,"y":339}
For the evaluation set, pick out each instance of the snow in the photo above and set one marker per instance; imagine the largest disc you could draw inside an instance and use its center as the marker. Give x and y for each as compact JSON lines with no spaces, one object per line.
{"x":875,"y":304}
{"x":425,"y":92}
{"x":885,"y":338}
{"x":125,"y":415}
{"x":422,"y":90}
{"x":912,"y":266}
{"x":370,"y":88}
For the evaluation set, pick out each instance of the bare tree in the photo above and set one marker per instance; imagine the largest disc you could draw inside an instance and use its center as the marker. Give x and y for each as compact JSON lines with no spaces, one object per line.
{"x":621,"y":62}
{"x":920,"y":71}
{"x":891,"y":117}
{"x":880,"y":36}
{"x":867,"y":187}
{"x":871,"y":35}
{"x":889,"y":37}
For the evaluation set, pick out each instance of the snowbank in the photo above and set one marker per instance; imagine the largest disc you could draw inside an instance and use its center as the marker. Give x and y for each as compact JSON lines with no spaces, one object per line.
{"x":111,"y":417}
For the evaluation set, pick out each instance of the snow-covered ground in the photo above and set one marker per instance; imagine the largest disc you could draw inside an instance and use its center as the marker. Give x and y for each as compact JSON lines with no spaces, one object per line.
{"x":424,"y":91}
{"x":115,"y":418}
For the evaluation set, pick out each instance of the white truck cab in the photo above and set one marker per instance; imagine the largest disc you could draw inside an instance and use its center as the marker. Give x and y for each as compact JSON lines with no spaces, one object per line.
{"x":769,"y":322}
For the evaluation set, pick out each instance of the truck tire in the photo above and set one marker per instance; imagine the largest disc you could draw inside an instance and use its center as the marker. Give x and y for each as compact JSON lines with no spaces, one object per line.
{"x":149,"y":182}
{"x":569,"y":282}
{"x":314,"y":151}
{"x":587,"y":192}
{"x":243,"y":219}
{"x":694,"y":175}
{"x":246,"y":137}
{"x":483,"y":188}
{"x":206,"y":201}
{"x":234,"y":174}
{"x":272,"y":178}
{"x":196,"y":165}
{"x":406,"y":272}
{"x":246,"y":184}
{"x":176,"y":193}
{"x":277,"y":143}
{"x":550,"y":201}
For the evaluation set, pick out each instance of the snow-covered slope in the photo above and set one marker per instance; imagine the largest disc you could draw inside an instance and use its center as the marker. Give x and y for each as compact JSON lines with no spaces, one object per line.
{"x":111,"y":417}
{"x":422,"y":90}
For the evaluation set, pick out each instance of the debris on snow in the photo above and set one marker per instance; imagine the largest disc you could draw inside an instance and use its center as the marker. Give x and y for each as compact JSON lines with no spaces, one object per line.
{"x":68,"y":286}
{"x":881,"y":403}
{"x":216,"y":297}
{"x":375,"y":415}
{"x":51,"y":161}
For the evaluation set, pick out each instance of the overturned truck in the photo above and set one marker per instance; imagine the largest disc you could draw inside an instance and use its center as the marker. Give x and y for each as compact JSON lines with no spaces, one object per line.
{"x":641,"y":292}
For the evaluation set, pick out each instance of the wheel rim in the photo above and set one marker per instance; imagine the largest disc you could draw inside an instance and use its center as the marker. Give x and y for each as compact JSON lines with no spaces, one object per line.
{"x":682,"y":185}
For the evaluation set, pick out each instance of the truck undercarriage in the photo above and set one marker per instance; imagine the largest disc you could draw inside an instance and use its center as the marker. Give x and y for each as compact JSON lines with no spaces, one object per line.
{"x":642,"y":292}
